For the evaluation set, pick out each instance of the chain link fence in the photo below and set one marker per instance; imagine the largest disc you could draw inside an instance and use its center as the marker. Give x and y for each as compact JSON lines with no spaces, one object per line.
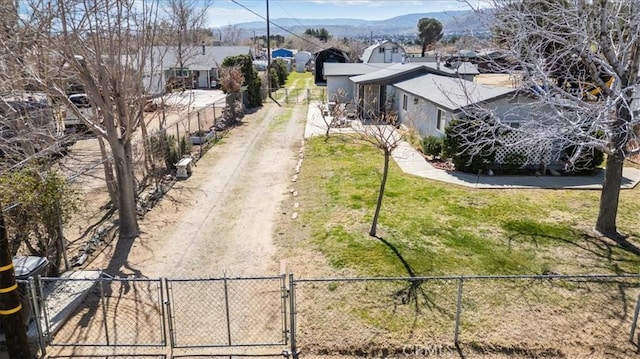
{"x":108,"y":312}
{"x":524,"y":316}
{"x":373,"y":316}
{"x":565,"y":316}
{"x":554,"y":315}
{"x":228,"y":312}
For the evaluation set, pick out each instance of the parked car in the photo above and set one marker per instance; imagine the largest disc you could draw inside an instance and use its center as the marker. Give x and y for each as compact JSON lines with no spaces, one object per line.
{"x":71,"y":119}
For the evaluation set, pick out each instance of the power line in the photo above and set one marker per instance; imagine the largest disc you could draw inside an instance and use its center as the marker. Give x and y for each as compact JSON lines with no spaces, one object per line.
{"x":276,"y":25}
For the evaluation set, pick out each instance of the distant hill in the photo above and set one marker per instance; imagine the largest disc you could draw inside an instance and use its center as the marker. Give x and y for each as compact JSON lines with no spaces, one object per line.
{"x":454,"y":22}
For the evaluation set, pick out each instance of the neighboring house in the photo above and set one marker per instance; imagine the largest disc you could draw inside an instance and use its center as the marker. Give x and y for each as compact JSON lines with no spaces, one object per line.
{"x":281,"y":53}
{"x":374,"y":91}
{"x":429,"y":102}
{"x":193,"y":67}
{"x":302,"y":59}
{"x":384,"y":52}
{"x":260,"y":65}
{"x":329,"y":55}
{"x":337,"y":78}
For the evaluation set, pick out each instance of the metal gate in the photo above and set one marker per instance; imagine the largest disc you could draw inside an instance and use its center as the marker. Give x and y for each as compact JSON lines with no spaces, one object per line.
{"x":107,"y":312}
{"x":227,"y":312}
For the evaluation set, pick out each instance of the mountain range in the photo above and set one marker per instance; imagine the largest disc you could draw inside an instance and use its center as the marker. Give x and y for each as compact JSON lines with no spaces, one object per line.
{"x":454,"y":22}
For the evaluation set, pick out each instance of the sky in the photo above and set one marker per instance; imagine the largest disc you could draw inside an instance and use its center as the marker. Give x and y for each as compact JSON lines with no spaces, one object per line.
{"x":226,"y":12}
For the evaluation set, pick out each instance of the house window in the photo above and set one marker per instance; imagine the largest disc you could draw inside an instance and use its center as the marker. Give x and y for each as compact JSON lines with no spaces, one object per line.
{"x":440,"y":122}
{"x":178,"y":72}
{"x":381,"y":50}
{"x":405,"y":99}
{"x":415,"y":100}
{"x":394,"y":50}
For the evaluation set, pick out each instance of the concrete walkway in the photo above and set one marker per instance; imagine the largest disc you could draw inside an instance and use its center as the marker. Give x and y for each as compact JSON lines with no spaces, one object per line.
{"x":412,"y":162}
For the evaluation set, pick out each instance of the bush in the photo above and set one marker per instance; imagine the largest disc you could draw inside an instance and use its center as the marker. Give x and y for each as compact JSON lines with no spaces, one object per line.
{"x":252,"y":81}
{"x":465,"y":158}
{"x":587,"y":161}
{"x":514,"y":162}
{"x":432,"y":146}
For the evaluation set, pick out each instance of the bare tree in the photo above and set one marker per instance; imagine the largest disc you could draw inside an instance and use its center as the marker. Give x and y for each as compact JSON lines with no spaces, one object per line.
{"x":379,"y":131}
{"x":581,"y":61}
{"x":231,"y":35}
{"x":334,"y":112}
{"x":104,"y":46}
{"x":186,"y":19}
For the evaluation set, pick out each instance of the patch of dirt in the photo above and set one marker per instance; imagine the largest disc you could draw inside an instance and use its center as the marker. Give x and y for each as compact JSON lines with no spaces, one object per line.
{"x":220,"y":220}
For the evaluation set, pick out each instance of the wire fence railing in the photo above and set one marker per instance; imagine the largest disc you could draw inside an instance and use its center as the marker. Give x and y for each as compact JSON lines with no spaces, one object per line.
{"x":540,"y":315}
{"x":568,"y":316}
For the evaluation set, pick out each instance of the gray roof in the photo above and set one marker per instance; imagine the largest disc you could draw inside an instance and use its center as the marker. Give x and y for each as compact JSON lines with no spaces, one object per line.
{"x":351,"y":69}
{"x":398,"y":70}
{"x":451,"y":93}
{"x":193,"y":57}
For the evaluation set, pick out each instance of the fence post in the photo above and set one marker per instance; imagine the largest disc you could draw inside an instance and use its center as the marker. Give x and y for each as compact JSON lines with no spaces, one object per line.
{"x":284,"y":295}
{"x":226,"y":305}
{"x":214,"y":115}
{"x":178,"y":141}
{"x":169,"y":316}
{"x":292,"y":313}
{"x":308,"y":95}
{"x":104,"y":312}
{"x":35,"y":308}
{"x":286,"y":96}
{"x":166,"y":310}
{"x":635,"y":320}
{"x":458,"y":311}
{"x":44,"y":309}
{"x":200,"y":132}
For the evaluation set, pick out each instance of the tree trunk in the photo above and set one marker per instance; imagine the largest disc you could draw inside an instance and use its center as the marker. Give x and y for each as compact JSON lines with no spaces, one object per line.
{"x":610,"y":195}
{"x":149,"y":161}
{"x":126,"y":189}
{"x":383,"y":183}
{"x":424,"y":47}
{"x":11,"y":311}
{"x":112,"y":186}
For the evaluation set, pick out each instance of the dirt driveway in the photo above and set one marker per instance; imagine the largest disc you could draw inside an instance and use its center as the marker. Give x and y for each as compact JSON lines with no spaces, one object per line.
{"x":220,"y":220}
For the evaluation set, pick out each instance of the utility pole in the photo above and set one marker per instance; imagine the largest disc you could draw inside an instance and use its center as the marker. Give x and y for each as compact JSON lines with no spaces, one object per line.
{"x":11,"y":313}
{"x":268,"y":52}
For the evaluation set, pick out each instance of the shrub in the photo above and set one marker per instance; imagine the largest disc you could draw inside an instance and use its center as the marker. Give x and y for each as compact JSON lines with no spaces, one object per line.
{"x":587,"y":161}
{"x":413,"y":138}
{"x":460,"y":135}
{"x":432,"y":146}
{"x":514,"y":162}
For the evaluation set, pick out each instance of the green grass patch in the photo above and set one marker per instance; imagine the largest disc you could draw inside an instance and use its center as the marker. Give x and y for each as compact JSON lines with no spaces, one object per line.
{"x":300,"y":80}
{"x":437,"y":228}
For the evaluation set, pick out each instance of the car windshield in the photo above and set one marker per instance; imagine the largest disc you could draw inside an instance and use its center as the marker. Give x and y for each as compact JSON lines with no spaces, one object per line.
{"x":80,"y":101}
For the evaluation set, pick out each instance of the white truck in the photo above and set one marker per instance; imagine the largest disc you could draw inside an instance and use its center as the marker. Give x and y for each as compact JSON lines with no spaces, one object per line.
{"x":71,"y":119}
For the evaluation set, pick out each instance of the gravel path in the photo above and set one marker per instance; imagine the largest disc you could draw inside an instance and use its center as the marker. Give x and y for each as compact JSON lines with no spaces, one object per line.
{"x":221,"y":219}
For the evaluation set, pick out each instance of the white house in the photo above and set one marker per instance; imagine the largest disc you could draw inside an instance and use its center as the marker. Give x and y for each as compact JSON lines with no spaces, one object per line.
{"x":429,"y":102}
{"x":375,"y":91}
{"x":302,"y":60}
{"x":384,"y":52}
{"x":195,"y":66}
{"x":337,"y":77}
